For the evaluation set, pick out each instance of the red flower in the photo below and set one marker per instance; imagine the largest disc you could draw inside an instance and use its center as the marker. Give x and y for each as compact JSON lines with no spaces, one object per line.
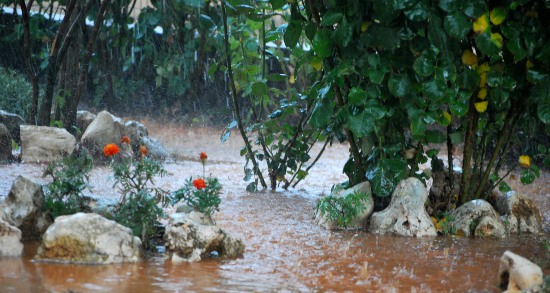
{"x":125,"y":139}
{"x":203,"y":156}
{"x":110,"y":150}
{"x":199,"y":183}
{"x":143,"y":150}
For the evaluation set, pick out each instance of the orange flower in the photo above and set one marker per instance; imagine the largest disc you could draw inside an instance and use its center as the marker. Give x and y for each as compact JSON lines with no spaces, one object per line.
{"x":143,"y":150}
{"x":199,"y":183}
{"x":110,"y":150}
{"x":125,"y":139}
{"x":203,"y":156}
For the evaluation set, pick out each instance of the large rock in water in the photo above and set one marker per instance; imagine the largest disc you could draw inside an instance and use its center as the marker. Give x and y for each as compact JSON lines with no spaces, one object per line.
{"x":45,"y":144}
{"x":466,"y":220}
{"x":190,"y":237}
{"x":12,"y":122}
{"x":360,"y":221}
{"x":520,"y":214}
{"x":5,"y":144}
{"x":23,"y":208}
{"x":10,"y":240}
{"x":406,"y":214}
{"x":88,"y":239}
{"x":518,"y":274}
{"x":105,"y":129}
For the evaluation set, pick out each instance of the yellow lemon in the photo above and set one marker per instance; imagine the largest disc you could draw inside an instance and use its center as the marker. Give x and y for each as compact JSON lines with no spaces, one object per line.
{"x":482,"y":80}
{"x":317,"y":63}
{"x":482,"y":94}
{"x":497,"y":15}
{"x":365,"y":25}
{"x":524,"y":161}
{"x":529,"y":64}
{"x":481,"y":24}
{"x":291,"y":79}
{"x":469,"y":58}
{"x":483,"y":68}
{"x":447,"y":117}
{"x":497,"y":39}
{"x":481,"y":106}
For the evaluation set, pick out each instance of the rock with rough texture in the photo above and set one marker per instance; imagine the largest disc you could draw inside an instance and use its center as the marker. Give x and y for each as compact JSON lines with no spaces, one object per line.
{"x":360,"y":221}
{"x":88,"y":239}
{"x":406,"y":214}
{"x":10,"y":240}
{"x":84,"y":119}
{"x":5,"y":144}
{"x":191,"y":237}
{"x":155,"y":149}
{"x":520,"y":214}
{"x":23,"y":208}
{"x":45,"y":144}
{"x":490,"y":227}
{"x":12,"y":123}
{"x":106,"y":128}
{"x":136,"y":132}
{"x":465,"y":219}
{"x":518,"y":274}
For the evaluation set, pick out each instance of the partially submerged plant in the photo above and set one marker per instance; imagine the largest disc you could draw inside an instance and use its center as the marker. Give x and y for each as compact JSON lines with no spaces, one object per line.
{"x":141,"y":201}
{"x":200,"y":194}
{"x":342,"y":210}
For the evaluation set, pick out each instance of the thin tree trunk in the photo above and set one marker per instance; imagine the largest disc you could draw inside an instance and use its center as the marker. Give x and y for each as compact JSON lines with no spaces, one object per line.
{"x":236,"y":109}
{"x":31,"y":72}
{"x":72,"y":105}
{"x":469,"y":141}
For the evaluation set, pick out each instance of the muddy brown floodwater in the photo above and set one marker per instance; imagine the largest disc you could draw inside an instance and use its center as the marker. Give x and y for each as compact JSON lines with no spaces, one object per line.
{"x":285,"y":250}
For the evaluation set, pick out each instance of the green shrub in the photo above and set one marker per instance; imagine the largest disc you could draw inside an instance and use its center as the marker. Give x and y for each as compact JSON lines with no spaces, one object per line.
{"x":342,"y":210}
{"x":141,"y":202}
{"x":70,"y":179}
{"x":202,"y":195}
{"x":16,"y":94}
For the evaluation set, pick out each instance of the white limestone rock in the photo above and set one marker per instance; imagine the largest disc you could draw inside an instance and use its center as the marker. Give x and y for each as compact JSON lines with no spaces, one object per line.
{"x":406,"y":214}
{"x":10,"y":240}
{"x":518,"y":274}
{"x":45,"y":144}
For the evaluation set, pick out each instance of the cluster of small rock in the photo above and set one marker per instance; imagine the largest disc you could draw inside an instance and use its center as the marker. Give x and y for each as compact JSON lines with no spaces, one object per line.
{"x":406,"y":215}
{"x":90,"y":238}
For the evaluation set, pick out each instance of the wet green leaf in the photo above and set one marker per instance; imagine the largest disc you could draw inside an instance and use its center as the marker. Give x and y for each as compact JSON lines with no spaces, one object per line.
{"x":486,"y":44}
{"x":435,"y":136}
{"x":457,"y":25}
{"x":423,"y":66}
{"x":332,"y":17}
{"x":343,"y":33}
{"x":435,"y":89}
{"x":399,"y":85}
{"x":292,"y":34}
{"x":321,"y":44}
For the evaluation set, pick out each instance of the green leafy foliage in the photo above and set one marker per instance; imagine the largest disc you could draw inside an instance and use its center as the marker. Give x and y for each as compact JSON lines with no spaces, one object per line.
{"x":141,"y":201}
{"x":342,"y":210}
{"x":69,"y":179}
{"x":16,"y":93}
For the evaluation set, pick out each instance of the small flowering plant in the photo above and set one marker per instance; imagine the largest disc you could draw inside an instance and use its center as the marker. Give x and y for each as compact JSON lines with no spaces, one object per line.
{"x":201,"y":194}
{"x":141,"y":201}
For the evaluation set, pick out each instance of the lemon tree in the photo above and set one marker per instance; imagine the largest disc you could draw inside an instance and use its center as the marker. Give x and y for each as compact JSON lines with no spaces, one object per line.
{"x":393,"y":78}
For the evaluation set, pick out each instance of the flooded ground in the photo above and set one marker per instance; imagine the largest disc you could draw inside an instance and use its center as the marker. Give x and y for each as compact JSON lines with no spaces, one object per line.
{"x":285,"y":250}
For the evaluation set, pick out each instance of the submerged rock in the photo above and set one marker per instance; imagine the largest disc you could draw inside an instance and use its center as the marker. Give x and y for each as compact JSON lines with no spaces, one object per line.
{"x":465,"y":219}
{"x":406,"y":214}
{"x":23,"y":208}
{"x":490,"y":227}
{"x":88,"y":239}
{"x":520,"y":214}
{"x":191,"y":237}
{"x":45,"y":144}
{"x":360,"y":221}
{"x":10,"y":240}
{"x":518,"y":274}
